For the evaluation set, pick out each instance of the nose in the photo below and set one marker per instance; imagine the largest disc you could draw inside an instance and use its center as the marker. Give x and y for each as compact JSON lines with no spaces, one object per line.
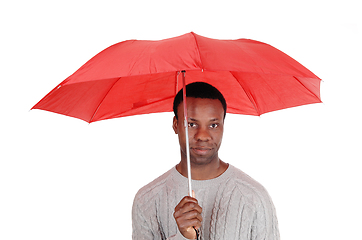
{"x":203,"y":135}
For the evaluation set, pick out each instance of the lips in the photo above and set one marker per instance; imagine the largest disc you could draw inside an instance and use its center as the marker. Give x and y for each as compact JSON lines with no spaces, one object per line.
{"x":201,"y":150}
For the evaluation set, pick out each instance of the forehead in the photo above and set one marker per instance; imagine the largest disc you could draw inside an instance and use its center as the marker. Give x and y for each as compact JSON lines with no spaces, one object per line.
{"x":202,"y":108}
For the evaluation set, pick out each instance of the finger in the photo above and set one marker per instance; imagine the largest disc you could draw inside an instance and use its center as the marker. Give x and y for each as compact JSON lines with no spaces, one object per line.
{"x":192,"y":207}
{"x":184,"y":201}
{"x":189,"y":207}
{"x":193,"y":194}
{"x":193,"y":223}
{"x":193,"y":214}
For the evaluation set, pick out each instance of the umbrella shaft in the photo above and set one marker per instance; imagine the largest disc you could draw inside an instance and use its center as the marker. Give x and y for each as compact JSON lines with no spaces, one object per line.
{"x":188,"y":158}
{"x":186,"y":124}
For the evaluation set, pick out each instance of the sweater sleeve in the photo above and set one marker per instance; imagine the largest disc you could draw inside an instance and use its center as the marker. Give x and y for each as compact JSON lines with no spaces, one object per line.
{"x":265,"y":223}
{"x":140,"y":227}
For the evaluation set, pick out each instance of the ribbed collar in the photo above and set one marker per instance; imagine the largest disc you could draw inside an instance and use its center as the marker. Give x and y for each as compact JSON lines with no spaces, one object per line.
{"x":203,"y":183}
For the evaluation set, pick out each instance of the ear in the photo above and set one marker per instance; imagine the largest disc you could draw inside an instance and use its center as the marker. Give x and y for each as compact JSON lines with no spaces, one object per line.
{"x":174,"y":124}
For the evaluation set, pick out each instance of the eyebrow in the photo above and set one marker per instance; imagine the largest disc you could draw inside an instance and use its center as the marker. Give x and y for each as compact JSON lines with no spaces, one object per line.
{"x":211,"y":120}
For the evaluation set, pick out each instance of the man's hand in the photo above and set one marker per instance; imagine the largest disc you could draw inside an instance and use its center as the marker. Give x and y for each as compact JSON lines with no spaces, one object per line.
{"x":188,"y":216}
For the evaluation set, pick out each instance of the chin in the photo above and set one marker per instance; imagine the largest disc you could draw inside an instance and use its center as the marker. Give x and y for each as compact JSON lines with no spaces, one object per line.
{"x":200,"y":161}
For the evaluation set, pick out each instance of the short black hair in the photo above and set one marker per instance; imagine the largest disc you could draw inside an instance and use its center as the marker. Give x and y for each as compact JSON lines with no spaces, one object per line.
{"x":199,"y":90}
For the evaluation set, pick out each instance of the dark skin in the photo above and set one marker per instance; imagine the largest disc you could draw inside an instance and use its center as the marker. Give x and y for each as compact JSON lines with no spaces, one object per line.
{"x":206,"y":127}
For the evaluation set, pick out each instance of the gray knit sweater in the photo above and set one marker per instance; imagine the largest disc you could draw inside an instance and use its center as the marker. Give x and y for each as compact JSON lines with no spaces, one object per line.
{"x":234,"y":207}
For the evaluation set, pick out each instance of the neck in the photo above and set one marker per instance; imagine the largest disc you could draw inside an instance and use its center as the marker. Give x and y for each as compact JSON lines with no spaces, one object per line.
{"x":203,"y":171}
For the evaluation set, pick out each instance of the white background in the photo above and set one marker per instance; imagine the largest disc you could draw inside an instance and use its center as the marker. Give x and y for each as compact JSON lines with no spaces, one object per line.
{"x":62,"y":178}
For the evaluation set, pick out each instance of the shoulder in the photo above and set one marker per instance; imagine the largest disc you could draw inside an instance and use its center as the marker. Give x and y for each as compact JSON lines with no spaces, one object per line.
{"x":154,"y":188}
{"x":244,"y":179}
{"x":247,"y":186}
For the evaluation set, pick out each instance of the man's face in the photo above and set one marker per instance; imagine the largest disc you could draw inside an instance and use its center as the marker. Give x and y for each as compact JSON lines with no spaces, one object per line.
{"x":206,"y":127}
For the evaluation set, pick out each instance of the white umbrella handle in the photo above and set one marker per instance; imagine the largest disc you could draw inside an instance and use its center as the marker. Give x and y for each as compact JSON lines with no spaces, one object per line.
{"x":186,"y":124}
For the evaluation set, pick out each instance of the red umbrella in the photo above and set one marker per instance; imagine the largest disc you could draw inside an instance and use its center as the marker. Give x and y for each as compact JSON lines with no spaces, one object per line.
{"x":137,"y":77}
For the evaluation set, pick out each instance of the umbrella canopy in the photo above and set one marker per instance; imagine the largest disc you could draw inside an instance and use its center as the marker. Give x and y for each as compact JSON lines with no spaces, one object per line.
{"x":138,"y":77}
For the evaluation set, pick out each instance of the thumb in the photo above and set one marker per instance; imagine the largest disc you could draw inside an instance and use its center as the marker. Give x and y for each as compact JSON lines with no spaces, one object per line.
{"x":193,"y":194}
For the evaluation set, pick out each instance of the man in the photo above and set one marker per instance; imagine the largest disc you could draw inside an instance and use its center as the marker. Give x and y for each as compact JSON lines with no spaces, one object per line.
{"x":227,"y":204}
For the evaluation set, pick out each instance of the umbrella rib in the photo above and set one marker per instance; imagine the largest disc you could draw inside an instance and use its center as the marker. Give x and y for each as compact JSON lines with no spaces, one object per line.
{"x":176,"y":88}
{"x":126,"y":112}
{"x":250,"y":98}
{"x":198,"y":50}
{"x":100,"y":103}
{"x":307,"y":88}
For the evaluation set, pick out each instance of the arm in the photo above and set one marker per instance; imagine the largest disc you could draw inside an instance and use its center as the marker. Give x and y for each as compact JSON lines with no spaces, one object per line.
{"x":265,"y":224}
{"x":140,"y":227}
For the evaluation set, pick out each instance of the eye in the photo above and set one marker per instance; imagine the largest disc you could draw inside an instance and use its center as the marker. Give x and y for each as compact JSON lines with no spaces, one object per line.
{"x":214,"y":125}
{"x":192,"y":125}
